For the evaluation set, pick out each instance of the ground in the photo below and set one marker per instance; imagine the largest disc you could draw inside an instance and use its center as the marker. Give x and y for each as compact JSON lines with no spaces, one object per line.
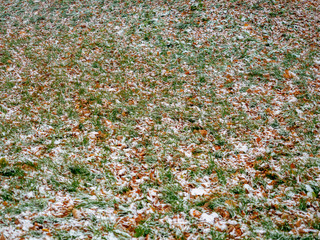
{"x":159,"y":119}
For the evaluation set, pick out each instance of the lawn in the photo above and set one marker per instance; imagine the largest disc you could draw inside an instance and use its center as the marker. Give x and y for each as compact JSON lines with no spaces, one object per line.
{"x":166,"y":119}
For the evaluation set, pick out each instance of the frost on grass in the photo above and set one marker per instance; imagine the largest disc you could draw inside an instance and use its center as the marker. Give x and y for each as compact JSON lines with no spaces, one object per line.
{"x":159,"y":120}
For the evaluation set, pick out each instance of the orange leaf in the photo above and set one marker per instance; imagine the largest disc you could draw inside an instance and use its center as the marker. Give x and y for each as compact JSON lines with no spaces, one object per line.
{"x":195,"y":213}
{"x":2,"y":237}
{"x":203,"y":132}
{"x":258,"y":139}
{"x":287,"y":74}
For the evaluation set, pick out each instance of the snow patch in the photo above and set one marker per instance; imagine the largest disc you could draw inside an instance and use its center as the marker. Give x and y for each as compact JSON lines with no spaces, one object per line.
{"x":209,"y":218}
{"x":199,"y":191}
{"x":242,"y":147}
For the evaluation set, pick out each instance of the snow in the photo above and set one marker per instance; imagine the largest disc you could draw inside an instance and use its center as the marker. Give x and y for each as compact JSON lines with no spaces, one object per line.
{"x":310,"y":192}
{"x":209,"y":218}
{"x":199,"y":191}
{"x":248,"y":187}
{"x":111,"y":236}
{"x":26,"y":224}
{"x":221,"y":225}
{"x":29,"y":195}
{"x":241,"y":147}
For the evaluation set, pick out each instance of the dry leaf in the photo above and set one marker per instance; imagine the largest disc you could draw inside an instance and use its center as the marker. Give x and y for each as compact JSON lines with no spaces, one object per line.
{"x":258,"y":139}
{"x":238,"y":231}
{"x":217,"y":147}
{"x":139,"y":218}
{"x":195,"y":213}
{"x":231,"y":203}
{"x":288,"y":74}
{"x":247,"y":26}
{"x":2,"y":237}
{"x":203,"y":132}
{"x":298,"y":223}
{"x":9,"y":69}
{"x":76,"y":213}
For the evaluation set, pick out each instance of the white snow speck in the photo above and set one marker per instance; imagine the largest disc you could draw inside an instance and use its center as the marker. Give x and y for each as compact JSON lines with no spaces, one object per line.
{"x":30,"y":195}
{"x":309,"y":190}
{"x":199,"y":191}
{"x":26,"y":224}
{"x":248,"y":187}
{"x":232,"y":222}
{"x":122,"y":172}
{"x":293,"y":99}
{"x":209,"y":218}
{"x":261,"y":231}
{"x":242,"y":147}
{"x":92,"y":135}
{"x":111,"y":236}
{"x":221,"y":225}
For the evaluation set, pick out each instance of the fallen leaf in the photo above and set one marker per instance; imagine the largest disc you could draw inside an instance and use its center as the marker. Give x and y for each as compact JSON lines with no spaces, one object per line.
{"x":298,"y":223}
{"x":76,"y":213}
{"x":217,"y":147}
{"x":195,"y":213}
{"x":258,"y":139}
{"x":2,"y":237}
{"x":238,"y":231}
{"x":231,"y":203}
{"x":9,"y":69}
{"x":287,"y":74}
{"x":203,"y":132}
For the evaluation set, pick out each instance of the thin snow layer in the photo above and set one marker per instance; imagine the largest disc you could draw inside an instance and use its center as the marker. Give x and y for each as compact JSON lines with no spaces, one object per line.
{"x":200,"y":191}
{"x":209,"y":218}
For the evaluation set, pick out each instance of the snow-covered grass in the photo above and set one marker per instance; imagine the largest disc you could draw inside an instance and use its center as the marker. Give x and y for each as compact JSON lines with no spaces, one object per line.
{"x":159,"y":119}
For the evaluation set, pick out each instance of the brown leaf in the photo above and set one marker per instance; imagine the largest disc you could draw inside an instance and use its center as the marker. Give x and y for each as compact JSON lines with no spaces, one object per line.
{"x":247,"y":26}
{"x":288,"y":74}
{"x":216,"y":147}
{"x":224,"y":213}
{"x":258,"y":139}
{"x":139,"y":218}
{"x":231,"y":203}
{"x":298,"y":223}
{"x":76,"y":213}
{"x":2,"y":237}
{"x":238,"y":231}
{"x":195,"y":213}
{"x":203,"y":132}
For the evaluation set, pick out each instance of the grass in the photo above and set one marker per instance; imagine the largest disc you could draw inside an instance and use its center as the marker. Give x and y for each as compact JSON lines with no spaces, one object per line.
{"x":139,"y":119}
